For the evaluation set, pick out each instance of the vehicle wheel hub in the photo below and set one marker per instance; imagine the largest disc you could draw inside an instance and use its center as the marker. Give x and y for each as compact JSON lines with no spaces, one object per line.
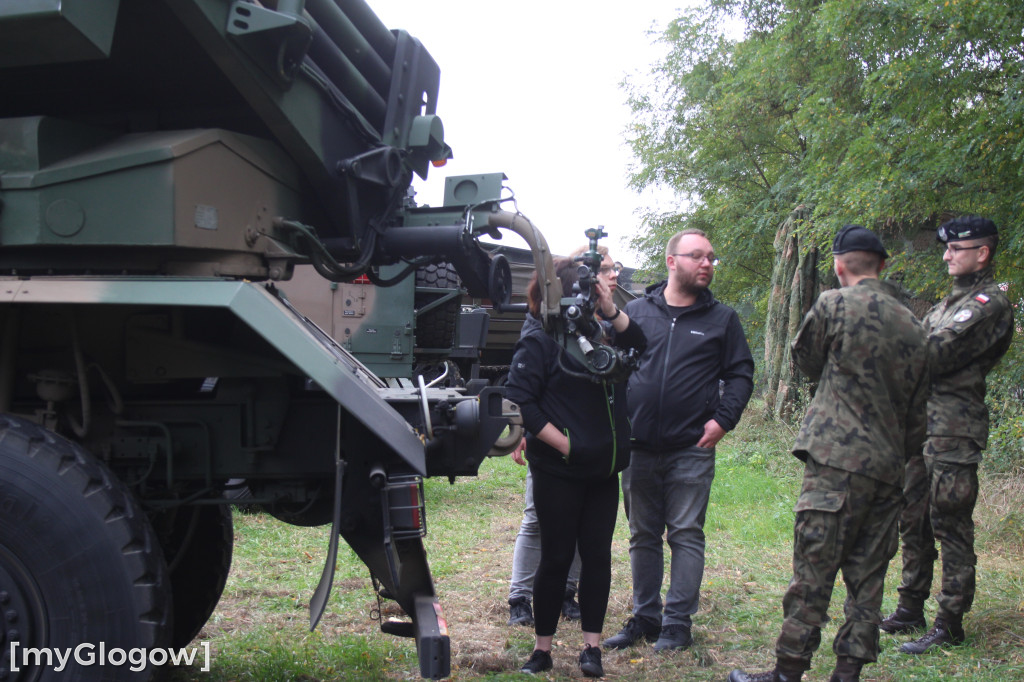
{"x":20,"y":610}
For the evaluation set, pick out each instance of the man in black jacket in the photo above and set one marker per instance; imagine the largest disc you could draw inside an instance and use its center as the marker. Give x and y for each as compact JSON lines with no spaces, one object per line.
{"x":691,"y":388}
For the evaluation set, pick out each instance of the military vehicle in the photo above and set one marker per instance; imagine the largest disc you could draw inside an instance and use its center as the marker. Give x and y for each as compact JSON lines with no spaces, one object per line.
{"x":504,"y":323}
{"x":452,"y":336}
{"x":164,"y":168}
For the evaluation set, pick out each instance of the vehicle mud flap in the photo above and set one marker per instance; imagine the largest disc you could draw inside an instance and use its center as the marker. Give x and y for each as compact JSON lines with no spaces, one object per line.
{"x":404,"y":524}
{"x":432,"y":642}
{"x":429,"y":626}
{"x":318,"y":603}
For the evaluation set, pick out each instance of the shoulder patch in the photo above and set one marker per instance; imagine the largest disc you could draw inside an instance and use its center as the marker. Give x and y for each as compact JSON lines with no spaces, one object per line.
{"x":982,"y":298}
{"x":963,"y":316}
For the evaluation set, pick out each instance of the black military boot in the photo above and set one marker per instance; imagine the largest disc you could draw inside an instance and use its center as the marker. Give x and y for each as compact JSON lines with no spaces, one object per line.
{"x":785,"y":671}
{"x":847,"y":670}
{"x":904,"y":620}
{"x":947,"y":630}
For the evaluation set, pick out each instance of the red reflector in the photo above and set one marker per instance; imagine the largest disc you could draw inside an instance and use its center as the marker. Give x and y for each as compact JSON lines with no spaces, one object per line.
{"x":361,"y":279}
{"x":404,"y":501}
{"x":414,"y":502}
{"x":442,"y":622}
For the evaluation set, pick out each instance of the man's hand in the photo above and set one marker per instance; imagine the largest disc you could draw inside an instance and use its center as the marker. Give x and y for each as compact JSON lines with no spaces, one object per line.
{"x":712,"y":434}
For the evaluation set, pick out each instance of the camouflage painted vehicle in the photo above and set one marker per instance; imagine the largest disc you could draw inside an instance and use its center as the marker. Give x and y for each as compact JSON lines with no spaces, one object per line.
{"x":452,"y":335}
{"x":165,"y":166}
{"x":504,"y":326}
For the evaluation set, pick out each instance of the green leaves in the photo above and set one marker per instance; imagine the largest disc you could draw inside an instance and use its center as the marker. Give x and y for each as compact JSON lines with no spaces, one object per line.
{"x":896,"y":114}
{"x":888,"y":113}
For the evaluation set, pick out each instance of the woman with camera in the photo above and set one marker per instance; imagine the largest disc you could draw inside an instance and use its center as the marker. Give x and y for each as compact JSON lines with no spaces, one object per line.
{"x":577,"y":443}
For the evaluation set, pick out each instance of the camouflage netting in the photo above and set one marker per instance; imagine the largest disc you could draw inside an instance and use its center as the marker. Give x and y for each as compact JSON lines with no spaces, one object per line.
{"x":795,"y":286}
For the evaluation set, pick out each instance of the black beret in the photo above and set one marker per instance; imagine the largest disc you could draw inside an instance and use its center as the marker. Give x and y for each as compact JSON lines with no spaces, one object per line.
{"x":966,"y":227}
{"x":857,"y":238}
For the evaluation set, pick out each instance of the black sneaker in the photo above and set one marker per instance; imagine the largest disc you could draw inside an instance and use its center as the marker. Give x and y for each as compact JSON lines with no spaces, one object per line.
{"x":570,"y":607}
{"x":538,"y":663}
{"x":520,"y":611}
{"x":903,"y":621}
{"x":590,"y":662}
{"x":674,"y":637}
{"x":631,"y":633}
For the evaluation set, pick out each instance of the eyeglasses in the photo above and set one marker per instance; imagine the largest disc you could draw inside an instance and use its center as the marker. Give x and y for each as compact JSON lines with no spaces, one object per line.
{"x":698,"y":257}
{"x":607,"y":269}
{"x":957,"y":249}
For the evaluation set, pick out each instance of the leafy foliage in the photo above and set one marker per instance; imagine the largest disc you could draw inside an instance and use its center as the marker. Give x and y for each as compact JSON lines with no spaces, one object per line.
{"x":895,"y":114}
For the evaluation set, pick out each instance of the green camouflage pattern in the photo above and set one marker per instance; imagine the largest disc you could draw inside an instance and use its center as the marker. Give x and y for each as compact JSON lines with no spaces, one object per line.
{"x":940,"y":498}
{"x":953,"y":494}
{"x":843,"y":521}
{"x":916,"y":538}
{"x":867,"y":352}
{"x":968,"y":332}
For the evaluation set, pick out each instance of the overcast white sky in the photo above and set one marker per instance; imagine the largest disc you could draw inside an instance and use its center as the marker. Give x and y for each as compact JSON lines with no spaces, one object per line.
{"x":531,"y":88}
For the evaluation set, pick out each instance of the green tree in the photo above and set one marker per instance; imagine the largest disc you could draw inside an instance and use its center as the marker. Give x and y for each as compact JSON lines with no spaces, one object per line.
{"x":896,"y":114}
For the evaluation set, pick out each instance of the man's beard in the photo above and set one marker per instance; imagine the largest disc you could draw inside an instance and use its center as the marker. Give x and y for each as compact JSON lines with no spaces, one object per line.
{"x":686,"y":283}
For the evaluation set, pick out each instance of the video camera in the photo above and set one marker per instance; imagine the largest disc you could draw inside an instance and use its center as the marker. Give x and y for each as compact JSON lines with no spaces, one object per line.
{"x":581,"y":334}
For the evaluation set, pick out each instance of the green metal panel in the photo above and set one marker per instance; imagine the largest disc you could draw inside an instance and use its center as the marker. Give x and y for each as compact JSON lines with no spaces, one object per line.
{"x":50,"y":31}
{"x":297,"y":115}
{"x":191,"y":189}
{"x":85,"y":212}
{"x":469,"y":190}
{"x":33,"y":142}
{"x":373,"y":323}
{"x":384,"y":338}
{"x":336,"y":371}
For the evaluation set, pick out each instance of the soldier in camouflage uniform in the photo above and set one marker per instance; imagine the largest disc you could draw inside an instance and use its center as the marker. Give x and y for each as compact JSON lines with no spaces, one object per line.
{"x":867,"y":352}
{"x":968,"y":332}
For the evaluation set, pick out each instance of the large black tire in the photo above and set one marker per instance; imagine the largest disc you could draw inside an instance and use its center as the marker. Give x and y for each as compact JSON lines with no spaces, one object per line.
{"x":79,"y":561}
{"x":197,"y":542}
{"x":436,"y":327}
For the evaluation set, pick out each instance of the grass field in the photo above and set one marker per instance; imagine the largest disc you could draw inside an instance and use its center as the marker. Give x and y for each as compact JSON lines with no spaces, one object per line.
{"x":260,"y":629}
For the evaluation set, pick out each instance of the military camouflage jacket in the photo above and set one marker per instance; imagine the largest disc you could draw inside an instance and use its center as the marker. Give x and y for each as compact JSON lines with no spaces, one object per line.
{"x":968,"y":332}
{"x":868,"y":353}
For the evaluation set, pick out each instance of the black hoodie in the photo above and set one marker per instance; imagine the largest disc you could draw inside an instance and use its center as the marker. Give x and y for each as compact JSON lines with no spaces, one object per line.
{"x":675,"y":391}
{"x":593,"y":415}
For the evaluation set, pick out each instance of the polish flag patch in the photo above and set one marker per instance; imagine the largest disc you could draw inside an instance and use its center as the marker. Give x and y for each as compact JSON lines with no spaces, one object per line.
{"x":982,"y":298}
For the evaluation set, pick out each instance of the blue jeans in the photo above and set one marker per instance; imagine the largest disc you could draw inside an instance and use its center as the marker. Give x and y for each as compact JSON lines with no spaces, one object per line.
{"x":667,"y":492}
{"x":526,"y":555}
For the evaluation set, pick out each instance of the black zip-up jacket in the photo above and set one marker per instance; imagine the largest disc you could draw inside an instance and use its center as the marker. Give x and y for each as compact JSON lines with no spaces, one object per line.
{"x":593,"y":415}
{"x":675,"y":391}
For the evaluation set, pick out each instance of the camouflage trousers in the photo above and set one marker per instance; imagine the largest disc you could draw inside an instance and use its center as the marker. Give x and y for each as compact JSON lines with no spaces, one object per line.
{"x":848,"y":522}
{"x":940,"y":507}
{"x":916,"y":539}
